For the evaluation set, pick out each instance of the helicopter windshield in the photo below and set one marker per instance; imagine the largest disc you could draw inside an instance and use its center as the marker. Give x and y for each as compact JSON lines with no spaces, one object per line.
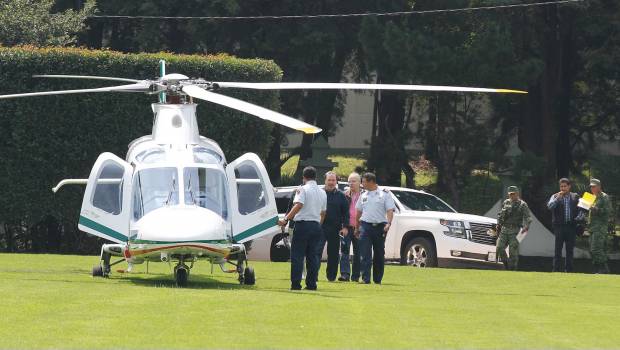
{"x":207,"y":188}
{"x":154,"y":188}
{"x":205,"y":155}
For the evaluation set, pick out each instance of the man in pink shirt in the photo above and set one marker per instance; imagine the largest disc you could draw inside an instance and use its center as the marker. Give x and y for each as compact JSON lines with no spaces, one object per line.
{"x":352,"y":195}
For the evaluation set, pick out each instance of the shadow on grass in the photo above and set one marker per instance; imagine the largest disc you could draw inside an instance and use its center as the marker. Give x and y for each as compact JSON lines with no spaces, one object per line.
{"x":194,"y":282}
{"x":204,"y":282}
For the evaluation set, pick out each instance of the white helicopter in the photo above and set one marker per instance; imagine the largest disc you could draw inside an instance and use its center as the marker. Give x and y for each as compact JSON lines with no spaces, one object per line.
{"x":174,"y":198}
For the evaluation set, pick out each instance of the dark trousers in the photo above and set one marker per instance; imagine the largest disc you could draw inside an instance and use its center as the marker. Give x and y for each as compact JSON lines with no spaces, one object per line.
{"x":372,"y":251}
{"x":306,"y":236}
{"x":346,"y":270}
{"x":331,"y":237}
{"x":565,"y":235}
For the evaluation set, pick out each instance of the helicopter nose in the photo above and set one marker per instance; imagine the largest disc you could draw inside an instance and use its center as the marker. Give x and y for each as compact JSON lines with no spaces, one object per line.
{"x":181,"y":224}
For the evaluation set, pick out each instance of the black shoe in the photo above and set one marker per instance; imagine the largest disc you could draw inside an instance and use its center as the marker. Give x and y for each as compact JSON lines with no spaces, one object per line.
{"x":602,"y":269}
{"x":331,"y":279}
{"x":364,"y":282}
{"x":377,"y":282}
{"x":343,"y":279}
{"x":295,"y":287}
{"x":310,"y":288}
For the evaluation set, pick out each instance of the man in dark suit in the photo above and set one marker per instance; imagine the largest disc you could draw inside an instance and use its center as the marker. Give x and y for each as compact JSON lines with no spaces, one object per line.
{"x":563,"y":206}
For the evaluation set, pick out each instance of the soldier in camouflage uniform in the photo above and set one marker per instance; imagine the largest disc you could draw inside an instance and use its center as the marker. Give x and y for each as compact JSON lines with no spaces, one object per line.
{"x":597,"y":225}
{"x":514,"y":215}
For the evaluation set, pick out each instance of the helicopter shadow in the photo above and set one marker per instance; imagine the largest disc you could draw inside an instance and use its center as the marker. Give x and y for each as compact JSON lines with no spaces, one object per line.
{"x":195,"y":282}
{"x":206,"y":282}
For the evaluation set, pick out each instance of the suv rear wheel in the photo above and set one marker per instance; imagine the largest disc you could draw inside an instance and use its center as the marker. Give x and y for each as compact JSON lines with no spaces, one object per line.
{"x":419,"y":252}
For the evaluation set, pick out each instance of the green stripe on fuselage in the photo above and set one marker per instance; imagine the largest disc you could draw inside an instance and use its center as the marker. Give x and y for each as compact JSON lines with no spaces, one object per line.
{"x":256,"y":229}
{"x":145,"y":241}
{"x":101,"y":228}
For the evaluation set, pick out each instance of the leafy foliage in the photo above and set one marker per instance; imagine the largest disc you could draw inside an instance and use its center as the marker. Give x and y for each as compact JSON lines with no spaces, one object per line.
{"x":32,"y":22}
{"x":46,"y":139}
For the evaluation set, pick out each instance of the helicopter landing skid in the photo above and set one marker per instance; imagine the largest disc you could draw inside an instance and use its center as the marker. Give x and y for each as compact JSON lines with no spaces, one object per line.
{"x":246,"y":273}
{"x":104,"y":267}
{"x":181,"y":273}
{"x":107,"y":252}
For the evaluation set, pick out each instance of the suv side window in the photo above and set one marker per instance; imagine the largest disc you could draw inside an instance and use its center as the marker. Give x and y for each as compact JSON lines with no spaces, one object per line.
{"x":282,"y":201}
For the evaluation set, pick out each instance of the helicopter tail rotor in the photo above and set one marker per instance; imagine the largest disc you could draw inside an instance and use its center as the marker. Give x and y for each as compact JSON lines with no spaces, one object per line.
{"x":264,"y":113}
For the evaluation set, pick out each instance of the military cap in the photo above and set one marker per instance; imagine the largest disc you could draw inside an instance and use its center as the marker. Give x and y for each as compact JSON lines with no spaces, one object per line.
{"x":595,"y":182}
{"x":513,"y":189}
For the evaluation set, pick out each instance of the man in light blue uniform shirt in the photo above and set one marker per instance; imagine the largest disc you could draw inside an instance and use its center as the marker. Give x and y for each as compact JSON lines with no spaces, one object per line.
{"x":375,"y":211}
{"x":308,"y":211}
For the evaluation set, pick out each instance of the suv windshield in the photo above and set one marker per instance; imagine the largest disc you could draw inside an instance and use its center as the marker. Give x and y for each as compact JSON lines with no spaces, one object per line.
{"x":421,"y":201}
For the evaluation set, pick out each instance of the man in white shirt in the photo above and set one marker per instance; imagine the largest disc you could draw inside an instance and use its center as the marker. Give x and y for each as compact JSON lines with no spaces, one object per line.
{"x":308,"y":212}
{"x":375,"y":211}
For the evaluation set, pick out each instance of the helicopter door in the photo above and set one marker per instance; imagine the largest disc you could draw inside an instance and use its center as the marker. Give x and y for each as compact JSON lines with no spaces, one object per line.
{"x":105,"y":207}
{"x":253,"y":203}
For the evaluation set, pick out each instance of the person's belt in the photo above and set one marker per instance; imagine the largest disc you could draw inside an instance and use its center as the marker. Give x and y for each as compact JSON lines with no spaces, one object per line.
{"x":373,"y":224}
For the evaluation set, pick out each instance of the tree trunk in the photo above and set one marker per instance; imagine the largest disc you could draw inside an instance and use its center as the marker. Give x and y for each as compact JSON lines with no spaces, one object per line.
{"x":387,"y":150}
{"x":545,"y":122}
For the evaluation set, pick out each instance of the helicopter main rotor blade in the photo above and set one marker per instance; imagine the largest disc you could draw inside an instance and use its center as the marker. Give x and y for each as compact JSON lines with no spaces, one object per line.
{"x":138,"y":87}
{"x":91,"y":77}
{"x":351,"y":86}
{"x":264,"y":113}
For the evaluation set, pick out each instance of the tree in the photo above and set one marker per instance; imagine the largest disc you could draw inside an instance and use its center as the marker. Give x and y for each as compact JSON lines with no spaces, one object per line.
{"x":448,"y":49}
{"x":33,"y":22}
{"x":312,"y":50}
{"x":383,"y":56}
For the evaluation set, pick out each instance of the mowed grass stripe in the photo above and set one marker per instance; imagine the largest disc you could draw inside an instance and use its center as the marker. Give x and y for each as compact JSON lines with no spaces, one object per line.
{"x":50,"y":301}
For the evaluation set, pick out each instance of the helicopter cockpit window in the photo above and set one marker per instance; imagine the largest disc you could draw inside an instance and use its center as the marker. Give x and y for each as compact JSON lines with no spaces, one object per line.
{"x":154,"y":188}
{"x":205,"y":155}
{"x":206,"y":188}
{"x":108,"y":192}
{"x":151,"y":155}
{"x":249,"y":188}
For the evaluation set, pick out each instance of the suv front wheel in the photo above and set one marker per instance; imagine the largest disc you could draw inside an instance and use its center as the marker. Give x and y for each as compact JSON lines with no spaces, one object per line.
{"x":419,"y":252}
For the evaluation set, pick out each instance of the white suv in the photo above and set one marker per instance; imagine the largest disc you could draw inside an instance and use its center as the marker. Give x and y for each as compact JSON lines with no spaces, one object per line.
{"x":425,"y":232}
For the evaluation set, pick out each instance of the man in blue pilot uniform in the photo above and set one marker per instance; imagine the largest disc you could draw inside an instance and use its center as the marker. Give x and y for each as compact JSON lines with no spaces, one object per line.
{"x":308,"y":211}
{"x":375,"y":211}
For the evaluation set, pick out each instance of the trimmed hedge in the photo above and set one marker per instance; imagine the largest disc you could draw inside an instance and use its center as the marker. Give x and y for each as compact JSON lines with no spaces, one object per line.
{"x":46,"y":139}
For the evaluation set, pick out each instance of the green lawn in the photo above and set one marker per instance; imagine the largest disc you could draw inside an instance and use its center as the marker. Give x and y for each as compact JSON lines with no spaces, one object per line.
{"x":346,"y":165}
{"x":50,"y":301}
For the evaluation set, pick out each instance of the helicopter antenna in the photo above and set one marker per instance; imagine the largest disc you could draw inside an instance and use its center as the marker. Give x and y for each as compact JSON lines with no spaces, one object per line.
{"x":162,"y":72}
